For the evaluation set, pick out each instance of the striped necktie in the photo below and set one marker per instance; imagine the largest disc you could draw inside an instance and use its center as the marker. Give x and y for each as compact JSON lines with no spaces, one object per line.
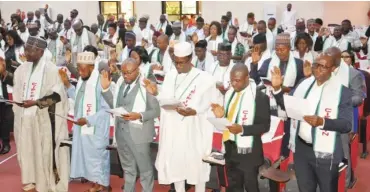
{"x":230,"y":116}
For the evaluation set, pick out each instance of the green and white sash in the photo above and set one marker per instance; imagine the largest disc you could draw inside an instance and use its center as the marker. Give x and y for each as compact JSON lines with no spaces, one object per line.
{"x":89,"y":102}
{"x":289,"y":76}
{"x":326,"y":104}
{"x":140,"y":99}
{"x":32,"y":87}
{"x":244,"y":115}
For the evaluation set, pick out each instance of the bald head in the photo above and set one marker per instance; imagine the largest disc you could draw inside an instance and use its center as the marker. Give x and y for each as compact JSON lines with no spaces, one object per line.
{"x":240,"y":68}
{"x":162,"y":42}
{"x":77,"y":24}
{"x":239,"y":77}
{"x":130,"y":70}
{"x":335,"y":53}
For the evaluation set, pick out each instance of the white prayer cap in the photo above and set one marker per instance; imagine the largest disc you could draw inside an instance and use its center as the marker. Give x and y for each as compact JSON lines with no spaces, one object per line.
{"x":176,"y":24}
{"x":182,"y":49}
{"x":86,"y":58}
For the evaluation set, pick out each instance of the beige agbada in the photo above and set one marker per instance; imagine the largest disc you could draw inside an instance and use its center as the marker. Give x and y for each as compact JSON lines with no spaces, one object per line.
{"x":33,"y":134}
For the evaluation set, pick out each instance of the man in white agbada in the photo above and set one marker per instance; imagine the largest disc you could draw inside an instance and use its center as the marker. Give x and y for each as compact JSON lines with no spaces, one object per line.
{"x":38,"y":132}
{"x":90,"y":159}
{"x":288,"y":18}
{"x":221,"y":68}
{"x":185,"y":134}
{"x":80,"y":39}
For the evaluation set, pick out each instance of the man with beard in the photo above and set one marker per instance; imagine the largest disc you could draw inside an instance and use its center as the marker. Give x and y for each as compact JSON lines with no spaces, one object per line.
{"x":90,"y":159}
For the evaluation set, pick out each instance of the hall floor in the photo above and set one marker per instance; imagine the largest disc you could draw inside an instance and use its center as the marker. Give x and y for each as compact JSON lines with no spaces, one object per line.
{"x":10,"y":178}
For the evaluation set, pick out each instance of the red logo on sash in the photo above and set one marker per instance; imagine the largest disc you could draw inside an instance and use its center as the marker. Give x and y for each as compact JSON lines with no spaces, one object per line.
{"x":327,"y":111}
{"x":244,"y":118}
{"x":88,"y":109}
{"x":33,"y":90}
{"x":188,"y":98}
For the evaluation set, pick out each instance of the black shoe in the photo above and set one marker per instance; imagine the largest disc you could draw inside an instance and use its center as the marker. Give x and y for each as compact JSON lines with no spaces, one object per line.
{"x":5,"y":149}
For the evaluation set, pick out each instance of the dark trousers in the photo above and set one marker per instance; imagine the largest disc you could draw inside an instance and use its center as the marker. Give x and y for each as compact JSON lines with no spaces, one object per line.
{"x":311,"y":172}
{"x":285,"y":151}
{"x":6,"y":122}
{"x":242,"y":179}
{"x":241,"y":170}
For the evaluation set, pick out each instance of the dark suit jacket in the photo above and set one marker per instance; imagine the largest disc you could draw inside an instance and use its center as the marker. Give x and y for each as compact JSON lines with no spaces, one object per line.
{"x":343,"y":124}
{"x":262,"y":72}
{"x":260,"y":126}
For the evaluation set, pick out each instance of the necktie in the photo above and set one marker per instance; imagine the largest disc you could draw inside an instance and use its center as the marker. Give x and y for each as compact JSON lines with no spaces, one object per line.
{"x":126,"y":91}
{"x":230,"y":115}
{"x":58,"y":29}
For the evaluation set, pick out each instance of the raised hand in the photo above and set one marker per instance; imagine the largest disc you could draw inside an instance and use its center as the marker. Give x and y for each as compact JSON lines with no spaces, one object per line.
{"x":150,"y":87}
{"x":217,"y":110}
{"x":64,"y":77}
{"x":68,"y":56}
{"x":256,"y":55}
{"x":105,"y":79}
{"x":276,"y":78}
{"x":307,"y":71}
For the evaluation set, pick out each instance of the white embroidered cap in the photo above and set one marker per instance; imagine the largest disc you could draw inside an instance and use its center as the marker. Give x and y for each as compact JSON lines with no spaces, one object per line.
{"x":86,"y":58}
{"x":182,"y":49}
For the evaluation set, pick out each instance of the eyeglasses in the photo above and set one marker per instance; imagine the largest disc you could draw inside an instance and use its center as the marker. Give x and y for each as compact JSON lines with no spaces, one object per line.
{"x":129,"y":72}
{"x":319,"y":66}
{"x":346,"y":56}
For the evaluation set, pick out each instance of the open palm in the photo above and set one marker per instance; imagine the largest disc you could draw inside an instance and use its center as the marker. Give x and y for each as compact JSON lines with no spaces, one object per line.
{"x":105,"y":80}
{"x":276,"y":78}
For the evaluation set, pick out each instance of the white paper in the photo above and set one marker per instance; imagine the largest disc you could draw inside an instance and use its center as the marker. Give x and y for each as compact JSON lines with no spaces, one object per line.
{"x":268,"y":137}
{"x":296,"y":107}
{"x":118,"y":112}
{"x":64,"y":117}
{"x":219,"y":123}
{"x":85,"y":130}
{"x":170,"y":103}
{"x":158,"y":72}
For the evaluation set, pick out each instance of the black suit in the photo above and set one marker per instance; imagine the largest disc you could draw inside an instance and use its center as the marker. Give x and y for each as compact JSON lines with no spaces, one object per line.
{"x":312,"y":171}
{"x":242,"y":169}
{"x":6,"y":112}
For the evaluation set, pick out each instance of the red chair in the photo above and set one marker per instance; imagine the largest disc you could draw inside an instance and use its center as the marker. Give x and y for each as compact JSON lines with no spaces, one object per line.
{"x":354,"y":151}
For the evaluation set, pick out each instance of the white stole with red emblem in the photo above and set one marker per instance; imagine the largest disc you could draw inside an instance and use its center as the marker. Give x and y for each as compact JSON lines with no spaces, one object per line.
{"x":89,"y":102}
{"x":326,"y":104}
{"x":244,"y":114}
{"x":32,"y":87}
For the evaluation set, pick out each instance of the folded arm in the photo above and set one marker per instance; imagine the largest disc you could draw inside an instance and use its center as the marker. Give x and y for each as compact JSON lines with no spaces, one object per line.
{"x":48,"y":100}
{"x":357,"y":86}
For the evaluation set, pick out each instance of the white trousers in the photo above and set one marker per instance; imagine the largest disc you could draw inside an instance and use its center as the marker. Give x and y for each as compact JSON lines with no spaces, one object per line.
{"x":180,"y":187}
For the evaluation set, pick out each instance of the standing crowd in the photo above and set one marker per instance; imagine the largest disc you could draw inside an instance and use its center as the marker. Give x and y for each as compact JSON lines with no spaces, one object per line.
{"x":194,"y":79}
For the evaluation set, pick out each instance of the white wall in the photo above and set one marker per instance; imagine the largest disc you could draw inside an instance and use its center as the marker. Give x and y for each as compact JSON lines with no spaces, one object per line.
{"x":152,"y":8}
{"x":88,"y":10}
{"x":210,"y":10}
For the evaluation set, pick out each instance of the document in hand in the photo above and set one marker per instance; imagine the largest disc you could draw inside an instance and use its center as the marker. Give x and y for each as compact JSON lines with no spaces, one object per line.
{"x":296,"y":107}
{"x":9,"y":101}
{"x":118,"y":112}
{"x":64,"y":117}
{"x":219,"y":123}
{"x":158,"y":72}
{"x":170,"y":104}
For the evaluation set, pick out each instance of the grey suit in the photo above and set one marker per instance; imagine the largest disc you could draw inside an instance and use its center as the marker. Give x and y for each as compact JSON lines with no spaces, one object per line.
{"x":357,"y":86}
{"x":133,"y":141}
